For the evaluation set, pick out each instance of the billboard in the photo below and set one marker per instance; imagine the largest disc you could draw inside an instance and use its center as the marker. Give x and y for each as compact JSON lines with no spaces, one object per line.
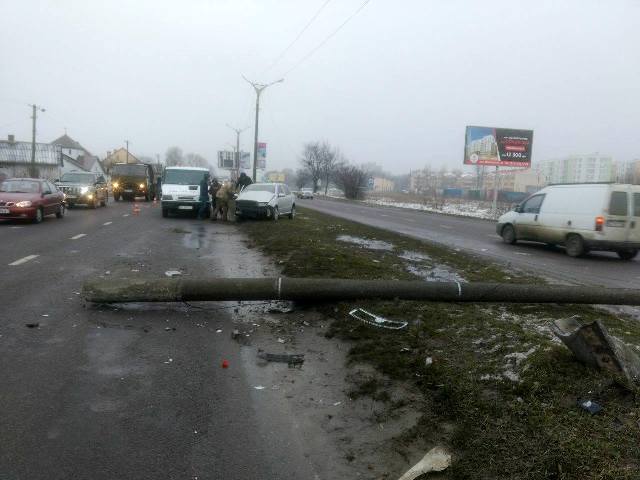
{"x":505,"y":147}
{"x":245,"y":160}
{"x":277,"y":177}
{"x":262,"y":155}
{"x":226,"y":159}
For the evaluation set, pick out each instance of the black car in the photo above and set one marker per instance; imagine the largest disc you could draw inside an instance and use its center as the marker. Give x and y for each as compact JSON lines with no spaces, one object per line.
{"x":83,"y":188}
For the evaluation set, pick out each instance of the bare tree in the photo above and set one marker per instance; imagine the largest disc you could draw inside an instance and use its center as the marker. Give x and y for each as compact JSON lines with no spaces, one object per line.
{"x":311,"y":161}
{"x":330,"y":157}
{"x":302,"y":178}
{"x":173,"y":157}
{"x":195,"y":160}
{"x":352,"y":180}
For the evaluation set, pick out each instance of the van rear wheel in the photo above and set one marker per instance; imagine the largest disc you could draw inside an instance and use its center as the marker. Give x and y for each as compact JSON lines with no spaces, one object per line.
{"x":509,"y":234}
{"x":575,"y":246}
{"x":627,"y":254}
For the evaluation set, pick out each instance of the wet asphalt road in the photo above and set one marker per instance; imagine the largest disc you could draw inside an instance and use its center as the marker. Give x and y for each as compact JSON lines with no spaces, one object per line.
{"x":106,"y":394}
{"x":479,"y":237}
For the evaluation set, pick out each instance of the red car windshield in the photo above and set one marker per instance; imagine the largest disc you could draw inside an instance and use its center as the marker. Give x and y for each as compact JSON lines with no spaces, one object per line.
{"x":20,"y":186}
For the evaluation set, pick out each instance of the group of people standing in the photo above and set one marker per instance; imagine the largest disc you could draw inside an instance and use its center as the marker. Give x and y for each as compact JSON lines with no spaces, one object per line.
{"x":216,"y":196}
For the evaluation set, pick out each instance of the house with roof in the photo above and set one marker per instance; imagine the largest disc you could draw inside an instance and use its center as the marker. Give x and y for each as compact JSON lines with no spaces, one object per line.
{"x":120,"y":155}
{"x":15,"y":160}
{"x":75,"y":157}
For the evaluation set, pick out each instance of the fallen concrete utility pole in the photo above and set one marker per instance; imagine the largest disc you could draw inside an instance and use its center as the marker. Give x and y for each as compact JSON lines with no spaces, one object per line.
{"x":328,"y":289}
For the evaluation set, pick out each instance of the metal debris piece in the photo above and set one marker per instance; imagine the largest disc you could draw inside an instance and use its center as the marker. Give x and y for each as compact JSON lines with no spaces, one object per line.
{"x":292,"y":359}
{"x":259,"y":387}
{"x":235,"y":334}
{"x":436,"y":460}
{"x":32,"y":325}
{"x":590,"y":406}
{"x":592,"y":345}
{"x":376,"y":321}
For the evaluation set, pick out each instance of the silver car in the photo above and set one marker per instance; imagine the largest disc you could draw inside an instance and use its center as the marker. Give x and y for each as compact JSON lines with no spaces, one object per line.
{"x":266,"y":200}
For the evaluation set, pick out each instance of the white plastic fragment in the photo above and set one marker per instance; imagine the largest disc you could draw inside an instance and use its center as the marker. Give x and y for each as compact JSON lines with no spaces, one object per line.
{"x":436,"y":460}
{"x":259,"y":387}
{"x":173,"y":273}
{"x":428,"y":361}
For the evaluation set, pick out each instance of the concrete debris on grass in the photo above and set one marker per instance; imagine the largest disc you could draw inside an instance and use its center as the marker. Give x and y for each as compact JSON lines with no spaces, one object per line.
{"x":593,"y":346}
{"x":436,"y":460}
{"x":366,"y":243}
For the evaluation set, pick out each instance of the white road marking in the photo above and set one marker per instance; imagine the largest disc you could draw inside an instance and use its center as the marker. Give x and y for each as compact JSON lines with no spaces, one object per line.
{"x":446,"y":226}
{"x":107,"y":223}
{"x":23,"y":260}
{"x":125,"y":215}
{"x":80,"y":235}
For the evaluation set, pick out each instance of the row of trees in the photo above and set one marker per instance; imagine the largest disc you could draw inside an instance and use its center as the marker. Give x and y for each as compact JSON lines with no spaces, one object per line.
{"x":322,"y":163}
{"x":174,"y":157}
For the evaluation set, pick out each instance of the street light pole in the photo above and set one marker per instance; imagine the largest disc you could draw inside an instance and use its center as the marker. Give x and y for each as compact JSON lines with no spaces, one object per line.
{"x":237,"y":155}
{"x":34,"y":116}
{"x":258,"y":87}
{"x":127,"y":144}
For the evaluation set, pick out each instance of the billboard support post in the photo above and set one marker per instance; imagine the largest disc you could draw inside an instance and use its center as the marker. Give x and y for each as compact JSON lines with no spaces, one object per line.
{"x":494,"y":207}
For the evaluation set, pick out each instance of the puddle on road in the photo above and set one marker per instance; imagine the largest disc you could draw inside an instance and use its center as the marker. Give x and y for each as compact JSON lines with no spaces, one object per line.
{"x":435,"y":274}
{"x":365,"y":243}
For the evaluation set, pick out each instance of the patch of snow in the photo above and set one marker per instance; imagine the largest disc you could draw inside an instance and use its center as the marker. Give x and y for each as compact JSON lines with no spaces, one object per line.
{"x":414,"y":256}
{"x":463,"y":209}
{"x":365,"y":243}
{"x":435,"y":274}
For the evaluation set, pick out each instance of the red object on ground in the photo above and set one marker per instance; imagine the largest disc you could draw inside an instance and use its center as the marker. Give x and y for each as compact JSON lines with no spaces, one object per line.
{"x":225,"y":364}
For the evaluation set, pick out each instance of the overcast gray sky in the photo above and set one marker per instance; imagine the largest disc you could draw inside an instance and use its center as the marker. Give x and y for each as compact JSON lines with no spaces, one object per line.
{"x":395,"y":86}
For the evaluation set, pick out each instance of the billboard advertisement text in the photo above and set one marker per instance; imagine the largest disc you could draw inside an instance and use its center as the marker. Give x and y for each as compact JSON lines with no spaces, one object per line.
{"x":505,"y":147}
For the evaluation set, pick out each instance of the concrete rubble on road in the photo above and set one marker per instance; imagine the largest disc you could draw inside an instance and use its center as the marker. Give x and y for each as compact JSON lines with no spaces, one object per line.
{"x":436,"y":460}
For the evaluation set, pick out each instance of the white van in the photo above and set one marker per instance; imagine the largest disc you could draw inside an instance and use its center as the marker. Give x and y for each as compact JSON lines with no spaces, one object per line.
{"x":181,"y":189}
{"x":582,"y":217}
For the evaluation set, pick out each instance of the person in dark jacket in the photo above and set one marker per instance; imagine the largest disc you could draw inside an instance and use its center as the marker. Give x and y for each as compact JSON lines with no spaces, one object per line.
{"x":243,"y":181}
{"x":204,"y":198}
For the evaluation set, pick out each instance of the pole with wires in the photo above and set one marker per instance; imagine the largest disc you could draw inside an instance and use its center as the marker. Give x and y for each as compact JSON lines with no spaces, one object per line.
{"x":34,"y":116}
{"x":259,"y":88}
{"x":236,"y":166}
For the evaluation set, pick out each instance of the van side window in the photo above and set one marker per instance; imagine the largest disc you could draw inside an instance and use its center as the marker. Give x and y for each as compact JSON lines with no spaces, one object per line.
{"x":532,"y":205}
{"x":618,"y":205}
{"x":636,"y":204}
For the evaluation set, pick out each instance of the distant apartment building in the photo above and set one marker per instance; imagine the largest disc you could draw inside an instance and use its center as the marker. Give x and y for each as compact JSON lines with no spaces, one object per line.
{"x":517,"y":180}
{"x":383,"y":185}
{"x":579,"y":169}
{"x":628,"y":172}
{"x":483,"y":146}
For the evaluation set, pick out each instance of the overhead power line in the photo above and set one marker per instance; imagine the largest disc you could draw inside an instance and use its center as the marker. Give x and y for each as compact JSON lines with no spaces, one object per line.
{"x":331,"y":35}
{"x":279,"y":57}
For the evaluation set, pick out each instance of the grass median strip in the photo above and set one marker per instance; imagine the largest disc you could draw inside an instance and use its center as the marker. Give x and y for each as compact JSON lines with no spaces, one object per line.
{"x":495,"y":385}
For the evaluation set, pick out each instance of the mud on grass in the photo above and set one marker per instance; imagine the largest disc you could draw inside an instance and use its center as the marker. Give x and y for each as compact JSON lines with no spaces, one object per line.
{"x":499,"y":390}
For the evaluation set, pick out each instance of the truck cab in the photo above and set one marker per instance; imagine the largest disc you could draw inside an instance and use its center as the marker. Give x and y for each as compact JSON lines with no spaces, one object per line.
{"x":181,"y":189}
{"x":131,"y":180}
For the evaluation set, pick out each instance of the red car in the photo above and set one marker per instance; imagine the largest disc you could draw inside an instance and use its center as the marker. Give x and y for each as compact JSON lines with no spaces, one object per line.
{"x":30,"y":199}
